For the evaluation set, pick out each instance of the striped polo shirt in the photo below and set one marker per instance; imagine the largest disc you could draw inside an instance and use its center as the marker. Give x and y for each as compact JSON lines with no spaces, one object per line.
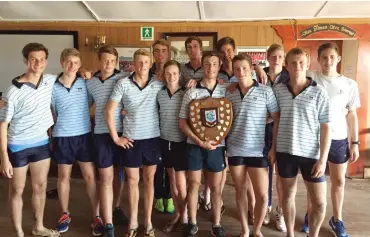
{"x":188,"y":72}
{"x":230,"y":79}
{"x":247,"y":134}
{"x":300,"y":119}
{"x":200,"y":92}
{"x":169,"y":109}
{"x":28,"y":112}
{"x":100,"y":91}
{"x":71,"y":107}
{"x":142,"y":118}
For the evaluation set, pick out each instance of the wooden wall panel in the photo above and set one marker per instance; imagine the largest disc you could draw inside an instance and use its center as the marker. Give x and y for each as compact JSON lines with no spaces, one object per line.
{"x":245,"y":34}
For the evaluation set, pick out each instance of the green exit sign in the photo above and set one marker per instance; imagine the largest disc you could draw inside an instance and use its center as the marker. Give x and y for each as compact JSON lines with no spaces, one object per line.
{"x":147,"y":33}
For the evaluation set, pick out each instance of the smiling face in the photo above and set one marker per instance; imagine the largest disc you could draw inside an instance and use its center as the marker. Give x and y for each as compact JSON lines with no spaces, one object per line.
{"x":227,"y":53}
{"x":211,"y":66}
{"x":71,"y":65}
{"x":36,"y":62}
{"x":142,"y":64}
{"x":172,"y":75}
{"x":161,"y":53}
{"x":328,"y":60}
{"x":242,"y":70}
{"x":297,"y":65}
{"x":107,"y":63}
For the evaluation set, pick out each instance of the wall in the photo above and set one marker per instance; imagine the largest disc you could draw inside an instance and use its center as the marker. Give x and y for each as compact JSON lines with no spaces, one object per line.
{"x":349,"y":58}
{"x":245,"y":34}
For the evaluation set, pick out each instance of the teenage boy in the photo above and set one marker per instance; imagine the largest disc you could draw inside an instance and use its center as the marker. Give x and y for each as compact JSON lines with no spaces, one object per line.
{"x":108,"y":154}
{"x":140,"y":136}
{"x":162,"y":188}
{"x":303,"y":140}
{"x":24,"y":121}
{"x":204,"y":154}
{"x":73,"y":141}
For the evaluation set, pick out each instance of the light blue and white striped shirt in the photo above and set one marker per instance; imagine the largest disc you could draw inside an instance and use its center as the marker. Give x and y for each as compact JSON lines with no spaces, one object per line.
{"x":169,"y":109}
{"x":28,"y":112}
{"x":247,"y":133}
{"x":300,"y":119}
{"x":100,"y":90}
{"x":71,"y":107}
{"x":142,"y":118}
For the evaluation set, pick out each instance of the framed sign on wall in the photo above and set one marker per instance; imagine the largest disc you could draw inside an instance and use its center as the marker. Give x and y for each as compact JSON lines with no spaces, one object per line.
{"x":257,"y":53}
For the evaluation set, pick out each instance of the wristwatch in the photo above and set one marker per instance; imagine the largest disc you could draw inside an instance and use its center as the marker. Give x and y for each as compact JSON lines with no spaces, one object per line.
{"x":356,"y":143}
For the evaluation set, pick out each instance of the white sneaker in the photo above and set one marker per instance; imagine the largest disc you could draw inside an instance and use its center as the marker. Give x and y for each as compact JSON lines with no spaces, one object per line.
{"x":266,"y":220}
{"x":280,"y":223}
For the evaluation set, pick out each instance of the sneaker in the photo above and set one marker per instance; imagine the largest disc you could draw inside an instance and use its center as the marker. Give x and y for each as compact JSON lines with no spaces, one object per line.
{"x":63,"y":223}
{"x":305,"y":228}
{"x":218,"y":231}
{"x":280,"y":223}
{"x":170,"y":208}
{"x":119,"y":217}
{"x":159,"y":207}
{"x":191,"y":230}
{"x":108,"y":230}
{"x":97,"y":226}
{"x":338,"y":228}
{"x":266,"y":220}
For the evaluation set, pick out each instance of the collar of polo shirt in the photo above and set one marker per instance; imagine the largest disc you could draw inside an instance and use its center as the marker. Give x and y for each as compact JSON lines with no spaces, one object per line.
{"x":188,"y":65}
{"x":18,"y":84}
{"x":61,"y":74}
{"x":284,"y":75}
{"x":97,"y":74}
{"x":312,"y":82}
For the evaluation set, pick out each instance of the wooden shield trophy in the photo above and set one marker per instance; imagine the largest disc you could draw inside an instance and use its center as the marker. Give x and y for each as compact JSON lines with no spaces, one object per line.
{"x":211,"y":118}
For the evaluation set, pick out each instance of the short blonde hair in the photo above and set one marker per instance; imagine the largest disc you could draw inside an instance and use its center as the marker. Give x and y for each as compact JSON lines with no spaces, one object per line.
{"x":69,"y":52}
{"x":297,"y":51}
{"x":107,"y":49}
{"x":143,"y":52}
{"x":162,"y":42}
{"x":273,"y":48}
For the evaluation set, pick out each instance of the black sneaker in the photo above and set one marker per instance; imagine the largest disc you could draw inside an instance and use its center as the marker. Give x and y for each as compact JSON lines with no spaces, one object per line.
{"x":218,"y":231}
{"x":119,"y":217}
{"x":191,"y":230}
{"x":108,"y":230}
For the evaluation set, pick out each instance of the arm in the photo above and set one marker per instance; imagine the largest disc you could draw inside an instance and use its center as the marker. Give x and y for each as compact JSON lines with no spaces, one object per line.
{"x":261,"y":75}
{"x":109,"y":118}
{"x":6,"y":167}
{"x":272,"y":153}
{"x":352,"y":122}
{"x":209,"y":145}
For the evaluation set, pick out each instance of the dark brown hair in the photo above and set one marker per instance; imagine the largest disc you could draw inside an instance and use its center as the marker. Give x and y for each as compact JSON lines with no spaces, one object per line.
{"x":34,"y":47}
{"x":243,"y":57}
{"x":224,"y":41}
{"x":325,"y":46}
{"x":162,"y":42}
{"x":191,"y":38}
{"x":210,"y":54}
{"x":172,"y":63}
{"x":107,"y":49}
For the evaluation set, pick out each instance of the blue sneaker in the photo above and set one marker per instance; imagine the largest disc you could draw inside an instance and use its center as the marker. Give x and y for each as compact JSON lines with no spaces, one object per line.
{"x":108,"y":230}
{"x":63,"y":223}
{"x":338,"y":228}
{"x":305,"y":228}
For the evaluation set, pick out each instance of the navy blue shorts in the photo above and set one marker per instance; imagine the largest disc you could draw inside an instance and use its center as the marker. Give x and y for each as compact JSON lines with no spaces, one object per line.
{"x":145,"y":152}
{"x":33,"y":154}
{"x":68,"y":149}
{"x":254,"y":162}
{"x":107,"y":152}
{"x":211,"y":160}
{"x":339,"y":151}
{"x":173,"y":155}
{"x":288,"y":166}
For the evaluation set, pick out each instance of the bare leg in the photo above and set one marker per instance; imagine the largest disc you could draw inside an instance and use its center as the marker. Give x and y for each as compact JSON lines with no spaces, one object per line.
{"x":215,"y":180}
{"x":16,"y":187}
{"x":182,"y":194}
{"x":89,"y":175}
{"x":289,"y":188}
{"x":338,"y":180}
{"x":148,"y":176}
{"x":106,"y":193}
{"x":317,"y":192}
{"x":133,"y":177}
{"x":194,"y":183}
{"x":64,"y":176}
{"x":117,"y":187}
